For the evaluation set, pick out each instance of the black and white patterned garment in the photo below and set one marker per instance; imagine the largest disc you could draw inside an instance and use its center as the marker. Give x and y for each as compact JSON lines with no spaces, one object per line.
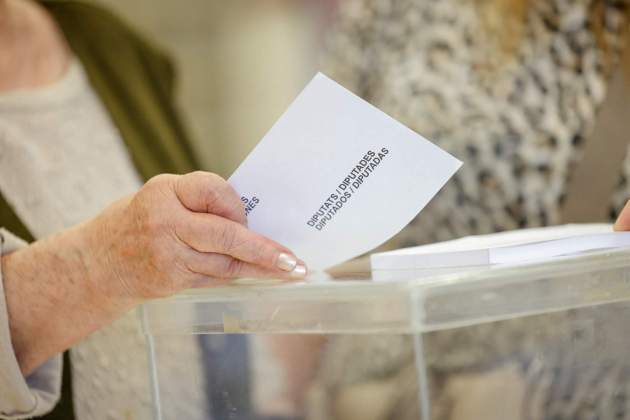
{"x":518,"y":120}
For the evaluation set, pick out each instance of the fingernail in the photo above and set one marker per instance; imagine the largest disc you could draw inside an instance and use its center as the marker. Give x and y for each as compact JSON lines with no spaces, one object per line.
{"x":299,"y":272}
{"x":286,"y":262}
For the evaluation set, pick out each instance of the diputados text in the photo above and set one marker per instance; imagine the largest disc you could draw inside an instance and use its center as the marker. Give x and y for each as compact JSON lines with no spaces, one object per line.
{"x":250,"y":204}
{"x":347,"y":188}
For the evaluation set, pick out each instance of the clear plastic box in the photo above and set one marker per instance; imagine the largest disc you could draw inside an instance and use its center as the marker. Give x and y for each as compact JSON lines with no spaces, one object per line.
{"x":537,"y":341}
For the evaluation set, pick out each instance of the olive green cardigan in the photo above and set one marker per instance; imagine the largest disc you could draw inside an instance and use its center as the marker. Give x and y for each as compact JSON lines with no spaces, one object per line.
{"x":135,"y":82}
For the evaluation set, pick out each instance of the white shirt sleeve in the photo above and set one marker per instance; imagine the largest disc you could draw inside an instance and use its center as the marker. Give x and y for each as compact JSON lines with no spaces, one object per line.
{"x":21,"y":397}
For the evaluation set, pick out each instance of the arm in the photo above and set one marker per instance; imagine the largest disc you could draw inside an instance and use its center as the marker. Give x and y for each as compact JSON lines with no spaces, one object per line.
{"x":177,"y":232}
{"x":23,"y":397}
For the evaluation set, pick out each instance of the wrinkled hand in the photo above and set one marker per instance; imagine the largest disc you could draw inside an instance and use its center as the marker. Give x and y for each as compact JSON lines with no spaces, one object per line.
{"x":179,"y":232}
{"x":176,"y":232}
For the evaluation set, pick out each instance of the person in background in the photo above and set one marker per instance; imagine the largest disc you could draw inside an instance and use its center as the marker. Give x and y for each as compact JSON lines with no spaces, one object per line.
{"x":622,"y":224}
{"x":90,"y":142}
{"x":513,"y":88}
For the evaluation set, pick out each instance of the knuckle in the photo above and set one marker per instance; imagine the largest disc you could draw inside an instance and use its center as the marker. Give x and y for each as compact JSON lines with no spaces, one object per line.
{"x":198,"y":173}
{"x":209,"y":188}
{"x":215,"y":178}
{"x":157,"y":191}
{"x":156,"y":223}
{"x":211,"y":196}
{"x":214,"y":187}
{"x":233,"y":268}
{"x":207,"y":177}
{"x":227,"y":238}
{"x":159,"y":181}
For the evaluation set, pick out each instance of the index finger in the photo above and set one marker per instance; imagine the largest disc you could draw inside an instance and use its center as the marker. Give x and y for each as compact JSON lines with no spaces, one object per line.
{"x":212,"y":233}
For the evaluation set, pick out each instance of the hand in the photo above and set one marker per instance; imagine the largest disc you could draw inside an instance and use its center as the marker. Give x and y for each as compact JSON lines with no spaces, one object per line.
{"x":623,"y":221}
{"x":179,"y":232}
{"x":176,"y":232}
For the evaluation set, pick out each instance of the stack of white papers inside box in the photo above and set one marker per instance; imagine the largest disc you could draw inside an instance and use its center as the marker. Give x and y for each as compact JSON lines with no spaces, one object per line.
{"x":513,"y":247}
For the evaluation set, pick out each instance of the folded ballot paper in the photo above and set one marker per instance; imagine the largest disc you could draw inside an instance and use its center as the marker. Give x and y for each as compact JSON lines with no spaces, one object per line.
{"x":335,"y":177}
{"x":512,"y":247}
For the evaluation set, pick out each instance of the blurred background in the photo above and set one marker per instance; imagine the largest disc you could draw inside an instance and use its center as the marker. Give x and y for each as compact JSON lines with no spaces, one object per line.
{"x":240,"y":63}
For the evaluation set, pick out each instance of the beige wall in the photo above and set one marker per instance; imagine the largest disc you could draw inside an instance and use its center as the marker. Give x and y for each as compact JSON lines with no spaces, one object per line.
{"x":241,"y":62}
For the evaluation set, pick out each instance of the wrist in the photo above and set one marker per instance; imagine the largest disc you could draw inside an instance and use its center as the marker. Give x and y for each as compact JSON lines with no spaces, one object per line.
{"x":42,"y":285}
{"x":58,"y":291}
{"x":104,"y":273}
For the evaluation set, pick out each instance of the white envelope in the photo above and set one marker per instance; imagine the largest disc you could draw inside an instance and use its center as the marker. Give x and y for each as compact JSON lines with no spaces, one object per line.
{"x":335,"y":177}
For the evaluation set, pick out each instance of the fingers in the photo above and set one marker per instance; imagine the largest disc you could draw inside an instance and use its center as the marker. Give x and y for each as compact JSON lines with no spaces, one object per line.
{"x":214,"y":229}
{"x":204,"y":192}
{"x":220,"y":269}
{"x":209,"y":233}
{"x":623,"y":221}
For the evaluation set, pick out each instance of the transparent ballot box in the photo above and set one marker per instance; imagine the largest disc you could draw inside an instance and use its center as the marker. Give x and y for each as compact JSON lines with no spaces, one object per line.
{"x":534,"y":341}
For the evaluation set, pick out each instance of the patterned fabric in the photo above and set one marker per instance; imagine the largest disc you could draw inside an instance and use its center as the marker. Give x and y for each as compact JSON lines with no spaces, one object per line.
{"x":518,"y":119}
